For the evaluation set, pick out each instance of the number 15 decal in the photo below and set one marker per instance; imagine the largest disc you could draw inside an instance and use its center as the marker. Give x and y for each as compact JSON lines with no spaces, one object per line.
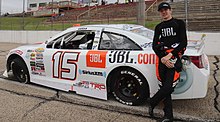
{"x":64,"y":65}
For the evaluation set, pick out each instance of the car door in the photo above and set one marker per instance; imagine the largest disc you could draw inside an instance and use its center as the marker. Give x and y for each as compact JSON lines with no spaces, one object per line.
{"x":65,"y":54}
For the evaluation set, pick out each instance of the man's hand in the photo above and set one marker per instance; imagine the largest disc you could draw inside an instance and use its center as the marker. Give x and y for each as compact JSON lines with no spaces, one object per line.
{"x":169,"y":64}
{"x":166,"y":58}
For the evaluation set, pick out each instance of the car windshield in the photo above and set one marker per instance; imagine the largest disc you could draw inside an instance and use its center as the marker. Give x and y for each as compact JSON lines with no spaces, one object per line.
{"x":144,"y":32}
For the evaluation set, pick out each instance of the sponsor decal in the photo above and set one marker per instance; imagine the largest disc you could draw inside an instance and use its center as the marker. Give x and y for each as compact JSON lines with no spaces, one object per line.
{"x":97,"y":34}
{"x":39,"y":55}
{"x":32,"y":56}
{"x":39,"y":50}
{"x":90,"y":85}
{"x":166,"y":32}
{"x":146,"y":45}
{"x":96,"y":59}
{"x":82,"y":29}
{"x":96,"y":73}
{"x":32,"y":63}
{"x":83,"y":84}
{"x":65,"y":65}
{"x":19,"y":52}
{"x":146,"y":58}
{"x":30,"y":51}
{"x":120,"y":57}
{"x":36,"y":61}
{"x":124,"y":57}
{"x":93,"y":47}
{"x":32,"y":68}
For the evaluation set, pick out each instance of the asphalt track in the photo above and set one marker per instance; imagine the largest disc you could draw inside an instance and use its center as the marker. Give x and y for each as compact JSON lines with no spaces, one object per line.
{"x":31,"y":102}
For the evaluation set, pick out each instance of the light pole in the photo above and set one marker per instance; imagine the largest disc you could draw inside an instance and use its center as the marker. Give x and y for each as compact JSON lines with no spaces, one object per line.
{"x":0,"y":14}
{"x":52,"y":16}
{"x":0,"y":7}
{"x":23,"y":14}
{"x":141,"y":12}
{"x":186,"y":12}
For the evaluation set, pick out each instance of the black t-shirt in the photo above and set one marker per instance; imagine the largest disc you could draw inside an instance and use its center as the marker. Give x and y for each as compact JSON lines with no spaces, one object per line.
{"x":172,"y":34}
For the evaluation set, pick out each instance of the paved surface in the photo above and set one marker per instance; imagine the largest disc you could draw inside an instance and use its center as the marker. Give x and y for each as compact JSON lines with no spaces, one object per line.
{"x":21,"y":104}
{"x":30,"y":102}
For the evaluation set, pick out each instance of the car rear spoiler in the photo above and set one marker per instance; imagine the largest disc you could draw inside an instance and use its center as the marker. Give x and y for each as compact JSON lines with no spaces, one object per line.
{"x":197,"y":44}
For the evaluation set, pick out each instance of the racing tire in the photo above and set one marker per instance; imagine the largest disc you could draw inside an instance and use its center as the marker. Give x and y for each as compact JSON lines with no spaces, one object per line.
{"x":129,"y":87}
{"x":20,"y":70}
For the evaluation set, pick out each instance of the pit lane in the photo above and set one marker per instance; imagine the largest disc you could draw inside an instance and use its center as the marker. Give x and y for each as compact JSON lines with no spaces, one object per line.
{"x":206,"y":109}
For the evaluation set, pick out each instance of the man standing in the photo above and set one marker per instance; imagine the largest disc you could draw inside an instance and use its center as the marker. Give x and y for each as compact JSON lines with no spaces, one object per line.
{"x":169,"y":44}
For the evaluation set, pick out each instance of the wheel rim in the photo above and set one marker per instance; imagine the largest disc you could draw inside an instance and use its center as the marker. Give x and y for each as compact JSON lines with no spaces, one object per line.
{"x":128,"y":86}
{"x":19,"y":73}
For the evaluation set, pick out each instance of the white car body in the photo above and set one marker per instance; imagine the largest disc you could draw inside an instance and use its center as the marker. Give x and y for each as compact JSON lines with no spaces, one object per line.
{"x":85,"y":71}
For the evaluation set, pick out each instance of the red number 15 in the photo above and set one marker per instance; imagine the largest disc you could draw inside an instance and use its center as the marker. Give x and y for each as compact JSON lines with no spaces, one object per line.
{"x":64,"y":65}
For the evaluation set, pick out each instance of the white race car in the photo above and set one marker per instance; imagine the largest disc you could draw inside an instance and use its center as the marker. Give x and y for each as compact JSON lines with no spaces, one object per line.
{"x":96,"y":60}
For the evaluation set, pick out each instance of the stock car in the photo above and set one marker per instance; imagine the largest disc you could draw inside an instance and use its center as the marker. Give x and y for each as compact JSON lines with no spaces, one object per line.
{"x":98,"y":60}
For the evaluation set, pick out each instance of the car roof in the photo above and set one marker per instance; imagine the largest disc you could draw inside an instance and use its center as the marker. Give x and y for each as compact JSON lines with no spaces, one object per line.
{"x":119,"y":26}
{"x":127,"y":27}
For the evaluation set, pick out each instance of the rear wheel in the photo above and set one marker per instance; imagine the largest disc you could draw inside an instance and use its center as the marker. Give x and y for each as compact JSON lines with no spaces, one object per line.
{"x":129,"y":87}
{"x":20,"y":70}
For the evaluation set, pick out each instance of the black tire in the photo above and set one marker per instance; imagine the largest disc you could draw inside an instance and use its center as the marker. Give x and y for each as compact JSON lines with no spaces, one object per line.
{"x":20,"y":70}
{"x":129,"y":87}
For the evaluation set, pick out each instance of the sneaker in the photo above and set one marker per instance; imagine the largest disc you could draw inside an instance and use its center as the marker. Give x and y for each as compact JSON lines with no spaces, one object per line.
{"x":150,"y":108}
{"x":151,"y":111}
{"x":166,"y":120}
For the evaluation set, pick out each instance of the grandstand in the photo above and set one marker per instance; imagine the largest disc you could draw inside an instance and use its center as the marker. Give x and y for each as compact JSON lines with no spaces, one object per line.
{"x":110,"y":11}
{"x":203,"y":15}
{"x":42,"y":8}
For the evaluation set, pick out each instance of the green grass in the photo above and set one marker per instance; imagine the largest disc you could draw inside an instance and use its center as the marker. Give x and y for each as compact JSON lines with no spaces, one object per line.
{"x":31,"y":23}
{"x":151,"y":24}
{"x":16,"y":23}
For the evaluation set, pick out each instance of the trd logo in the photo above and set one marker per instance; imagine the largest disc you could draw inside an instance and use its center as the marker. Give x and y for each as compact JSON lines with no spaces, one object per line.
{"x":88,"y":84}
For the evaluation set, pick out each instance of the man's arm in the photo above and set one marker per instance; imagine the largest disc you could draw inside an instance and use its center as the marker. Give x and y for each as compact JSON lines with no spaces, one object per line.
{"x":183,"y":38}
{"x":156,"y":41}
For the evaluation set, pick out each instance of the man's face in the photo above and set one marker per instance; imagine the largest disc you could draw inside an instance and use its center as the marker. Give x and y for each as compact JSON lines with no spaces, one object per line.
{"x":165,"y":13}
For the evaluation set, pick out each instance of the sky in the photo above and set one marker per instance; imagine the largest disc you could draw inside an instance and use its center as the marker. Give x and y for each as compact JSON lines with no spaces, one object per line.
{"x":12,"y":6}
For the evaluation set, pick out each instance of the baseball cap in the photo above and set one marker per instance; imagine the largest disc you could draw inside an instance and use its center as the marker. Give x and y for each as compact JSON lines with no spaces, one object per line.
{"x":163,"y":5}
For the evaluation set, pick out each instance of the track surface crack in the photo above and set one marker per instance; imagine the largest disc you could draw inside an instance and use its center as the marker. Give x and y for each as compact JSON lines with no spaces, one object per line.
{"x":35,"y":107}
{"x":45,"y":100}
{"x":113,"y":120}
{"x":216,"y":85}
{"x":41,"y":103}
{"x":4,"y":52}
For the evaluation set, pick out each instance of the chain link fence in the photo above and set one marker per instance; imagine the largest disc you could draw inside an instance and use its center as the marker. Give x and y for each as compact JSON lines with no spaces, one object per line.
{"x":199,"y":15}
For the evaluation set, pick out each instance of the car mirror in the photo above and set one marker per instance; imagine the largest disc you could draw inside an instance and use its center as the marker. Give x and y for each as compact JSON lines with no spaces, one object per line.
{"x":83,"y":46}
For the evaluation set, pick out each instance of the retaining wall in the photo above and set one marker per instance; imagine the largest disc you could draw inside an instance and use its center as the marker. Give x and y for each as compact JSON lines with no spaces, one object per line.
{"x":212,"y":40}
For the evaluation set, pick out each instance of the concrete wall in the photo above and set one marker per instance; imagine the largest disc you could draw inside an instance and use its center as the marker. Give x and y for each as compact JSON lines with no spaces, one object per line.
{"x":212,"y":40}
{"x":26,"y":36}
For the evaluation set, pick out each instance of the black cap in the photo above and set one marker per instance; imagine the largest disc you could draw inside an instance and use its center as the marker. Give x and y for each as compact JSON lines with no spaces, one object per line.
{"x":163,"y":5}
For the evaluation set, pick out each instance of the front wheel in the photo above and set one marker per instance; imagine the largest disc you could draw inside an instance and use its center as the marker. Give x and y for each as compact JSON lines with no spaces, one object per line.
{"x":20,"y":70}
{"x":129,"y":87}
